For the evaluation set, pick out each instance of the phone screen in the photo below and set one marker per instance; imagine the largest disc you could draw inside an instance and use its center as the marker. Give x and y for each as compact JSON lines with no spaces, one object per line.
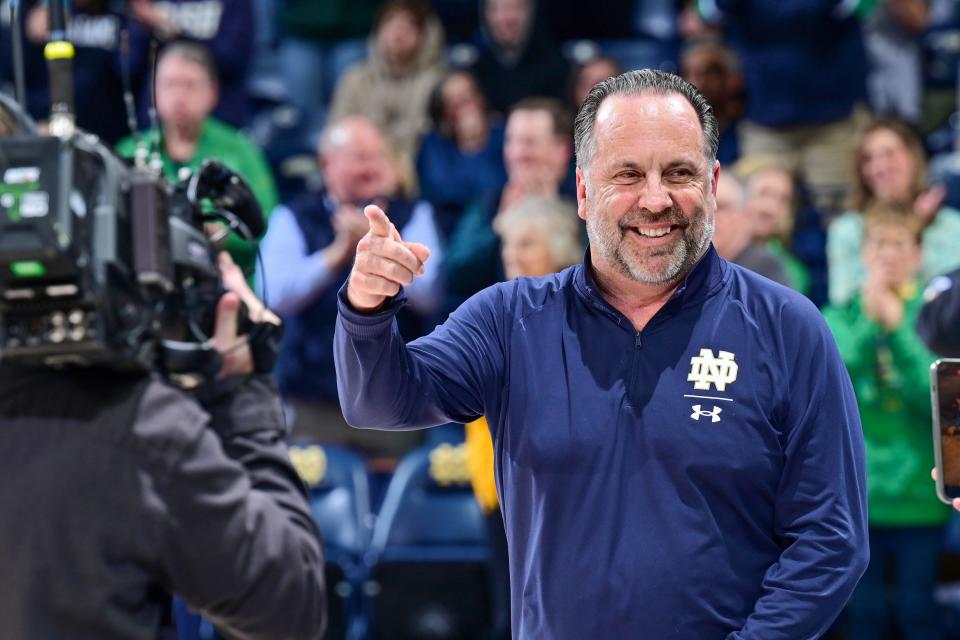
{"x":945,"y":389}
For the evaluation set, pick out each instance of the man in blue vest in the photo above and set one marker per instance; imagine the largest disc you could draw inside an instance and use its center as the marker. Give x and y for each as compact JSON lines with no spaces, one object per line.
{"x":677,"y":445}
{"x":307,"y":254}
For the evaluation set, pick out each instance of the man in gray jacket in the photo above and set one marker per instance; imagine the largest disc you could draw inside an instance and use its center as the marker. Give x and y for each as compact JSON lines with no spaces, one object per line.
{"x":117,"y":490}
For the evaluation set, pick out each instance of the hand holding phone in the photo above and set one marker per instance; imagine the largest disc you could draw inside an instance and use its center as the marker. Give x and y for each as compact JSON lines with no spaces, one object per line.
{"x":945,"y":396}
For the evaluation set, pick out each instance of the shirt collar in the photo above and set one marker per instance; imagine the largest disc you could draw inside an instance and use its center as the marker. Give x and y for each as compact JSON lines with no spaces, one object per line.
{"x":704,"y":279}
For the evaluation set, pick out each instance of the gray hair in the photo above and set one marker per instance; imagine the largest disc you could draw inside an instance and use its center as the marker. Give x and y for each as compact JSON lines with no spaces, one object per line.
{"x":635,"y":83}
{"x":557,"y":215}
{"x":193,"y":52}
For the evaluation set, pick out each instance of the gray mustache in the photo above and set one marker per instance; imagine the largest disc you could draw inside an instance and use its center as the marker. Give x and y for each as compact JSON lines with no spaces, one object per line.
{"x":638,"y":217}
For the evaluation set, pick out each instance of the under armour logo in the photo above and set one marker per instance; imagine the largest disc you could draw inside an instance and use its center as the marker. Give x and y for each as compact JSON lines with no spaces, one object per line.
{"x":706,"y":369}
{"x":698,"y":412}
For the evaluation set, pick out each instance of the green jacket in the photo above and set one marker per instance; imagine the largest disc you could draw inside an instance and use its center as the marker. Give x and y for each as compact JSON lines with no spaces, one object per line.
{"x":223,"y":142}
{"x":891,"y":373}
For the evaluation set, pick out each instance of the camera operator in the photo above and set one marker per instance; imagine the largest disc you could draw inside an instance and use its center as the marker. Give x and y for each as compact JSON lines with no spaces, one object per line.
{"x":939,"y":321}
{"x":118,"y":489}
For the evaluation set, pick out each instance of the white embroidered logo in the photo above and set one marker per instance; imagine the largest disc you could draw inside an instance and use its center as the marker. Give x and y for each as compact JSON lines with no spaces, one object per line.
{"x":199,"y":20}
{"x":706,"y":369}
{"x":697,"y":413}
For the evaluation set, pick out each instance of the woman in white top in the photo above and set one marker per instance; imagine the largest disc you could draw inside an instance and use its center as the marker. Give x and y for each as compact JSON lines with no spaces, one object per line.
{"x":891,"y":168}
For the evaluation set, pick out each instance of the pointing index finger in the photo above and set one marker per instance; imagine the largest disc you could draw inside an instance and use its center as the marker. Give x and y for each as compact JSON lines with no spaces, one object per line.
{"x":379,"y":222}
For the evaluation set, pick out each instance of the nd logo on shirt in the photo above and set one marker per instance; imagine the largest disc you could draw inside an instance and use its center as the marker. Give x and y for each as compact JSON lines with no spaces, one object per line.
{"x":708,"y":371}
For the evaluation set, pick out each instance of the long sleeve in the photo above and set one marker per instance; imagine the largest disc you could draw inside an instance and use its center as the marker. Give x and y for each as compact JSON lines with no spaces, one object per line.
{"x":820,"y":509}
{"x":239,"y":544}
{"x":231,"y":44}
{"x":293,"y":278}
{"x":446,"y":376}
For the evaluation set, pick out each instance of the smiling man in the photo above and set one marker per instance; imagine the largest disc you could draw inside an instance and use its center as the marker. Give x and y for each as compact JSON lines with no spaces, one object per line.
{"x":677,"y":445}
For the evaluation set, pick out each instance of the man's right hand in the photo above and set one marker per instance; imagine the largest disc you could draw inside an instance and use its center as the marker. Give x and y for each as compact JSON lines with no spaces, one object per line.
{"x":384,"y":263}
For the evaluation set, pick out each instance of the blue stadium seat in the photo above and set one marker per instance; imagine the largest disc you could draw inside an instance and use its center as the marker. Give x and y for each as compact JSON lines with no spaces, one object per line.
{"x":427,"y":558}
{"x":339,"y":497}
{"x":340,"y":504}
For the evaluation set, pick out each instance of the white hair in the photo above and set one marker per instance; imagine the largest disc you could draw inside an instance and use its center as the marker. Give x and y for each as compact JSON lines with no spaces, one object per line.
{"x":558,"y":219}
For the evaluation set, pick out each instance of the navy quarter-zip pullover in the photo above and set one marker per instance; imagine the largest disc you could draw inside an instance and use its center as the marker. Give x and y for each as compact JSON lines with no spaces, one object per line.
{"x":702,"y":479}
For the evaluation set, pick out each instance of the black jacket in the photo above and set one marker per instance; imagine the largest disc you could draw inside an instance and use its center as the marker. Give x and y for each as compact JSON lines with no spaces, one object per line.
{"x":117,"y":490}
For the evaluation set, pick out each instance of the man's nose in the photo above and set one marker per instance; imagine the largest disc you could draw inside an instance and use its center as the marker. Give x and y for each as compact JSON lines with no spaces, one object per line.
{"x":653,"y":196}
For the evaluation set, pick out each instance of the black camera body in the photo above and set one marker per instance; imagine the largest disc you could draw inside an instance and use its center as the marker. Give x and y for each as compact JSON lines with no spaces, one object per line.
{"x":107,"y":265}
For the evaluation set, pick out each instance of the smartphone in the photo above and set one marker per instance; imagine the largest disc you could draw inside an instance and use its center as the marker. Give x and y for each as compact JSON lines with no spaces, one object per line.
{"x":945,"y":396}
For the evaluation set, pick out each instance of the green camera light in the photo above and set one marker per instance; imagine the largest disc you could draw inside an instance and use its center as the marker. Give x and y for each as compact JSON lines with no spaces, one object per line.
{"x":28,"y":269}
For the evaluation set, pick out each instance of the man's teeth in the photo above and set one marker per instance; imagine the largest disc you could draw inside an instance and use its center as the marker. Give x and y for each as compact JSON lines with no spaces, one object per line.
{"x":654,"y":233}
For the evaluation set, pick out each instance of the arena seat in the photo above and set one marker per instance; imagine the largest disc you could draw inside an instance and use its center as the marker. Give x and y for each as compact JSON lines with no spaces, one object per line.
{"x":340,"y":504}
{"x":427,"y":558}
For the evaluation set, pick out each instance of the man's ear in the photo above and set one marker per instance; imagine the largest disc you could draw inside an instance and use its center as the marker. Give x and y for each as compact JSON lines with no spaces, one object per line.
{"x":716,"y":178}
{"x":581,"y":194}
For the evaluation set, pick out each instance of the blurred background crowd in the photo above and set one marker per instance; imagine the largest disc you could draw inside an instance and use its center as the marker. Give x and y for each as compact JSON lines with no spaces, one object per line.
{"x":841,"y":179}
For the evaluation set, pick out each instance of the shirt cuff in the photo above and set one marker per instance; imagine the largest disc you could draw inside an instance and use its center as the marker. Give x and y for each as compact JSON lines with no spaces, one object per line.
{"x":368,"y":325}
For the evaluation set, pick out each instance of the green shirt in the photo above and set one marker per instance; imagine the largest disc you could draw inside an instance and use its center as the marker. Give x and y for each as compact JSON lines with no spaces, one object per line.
{"x":236,"y":151}
{"x":890,"y":371}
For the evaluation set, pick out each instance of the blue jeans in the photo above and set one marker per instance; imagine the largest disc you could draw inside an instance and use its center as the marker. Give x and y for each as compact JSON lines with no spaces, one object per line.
{"x":913,"y":553}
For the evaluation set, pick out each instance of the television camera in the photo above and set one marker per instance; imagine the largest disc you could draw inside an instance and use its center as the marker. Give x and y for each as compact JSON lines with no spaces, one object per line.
{"x":104,"y":264}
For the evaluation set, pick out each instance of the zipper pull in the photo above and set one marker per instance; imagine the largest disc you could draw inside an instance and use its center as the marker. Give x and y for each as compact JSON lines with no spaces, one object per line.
{"x":638,"y":342}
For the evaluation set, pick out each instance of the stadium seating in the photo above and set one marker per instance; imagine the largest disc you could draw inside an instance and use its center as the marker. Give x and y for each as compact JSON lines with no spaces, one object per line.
{"x":428,"y":554}
{"x":340,"y":504}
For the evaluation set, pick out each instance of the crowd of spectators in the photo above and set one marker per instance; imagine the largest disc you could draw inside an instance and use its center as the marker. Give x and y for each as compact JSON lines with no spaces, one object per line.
{"x":457,"y":118}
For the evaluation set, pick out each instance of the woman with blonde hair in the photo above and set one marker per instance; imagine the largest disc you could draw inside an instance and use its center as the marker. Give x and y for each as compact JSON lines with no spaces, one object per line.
{"x":891,"y":169}
{"x":539,"y":236}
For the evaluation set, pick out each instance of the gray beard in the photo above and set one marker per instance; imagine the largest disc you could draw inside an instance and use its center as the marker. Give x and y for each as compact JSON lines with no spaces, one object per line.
{"x":685,"y":254}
